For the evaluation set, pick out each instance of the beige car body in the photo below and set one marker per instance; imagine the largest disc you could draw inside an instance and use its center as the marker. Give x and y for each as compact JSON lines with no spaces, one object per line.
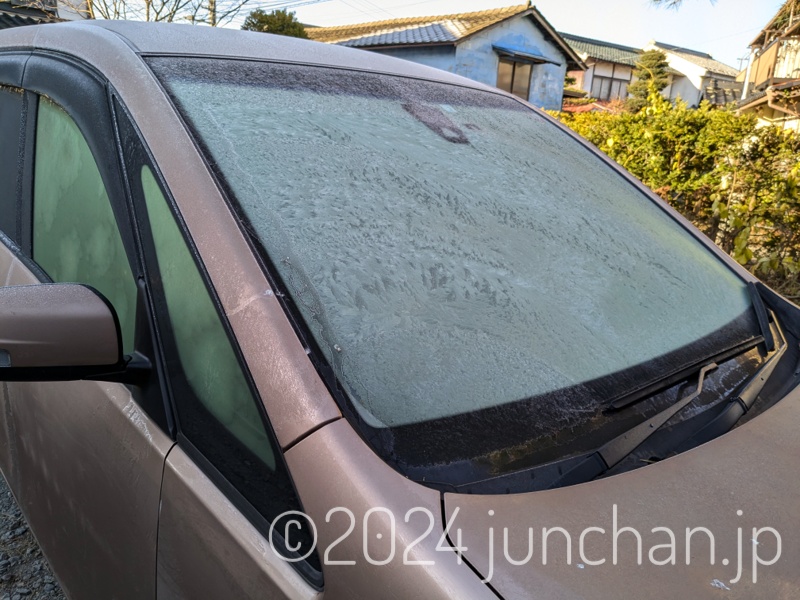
{"x":122,"y":511}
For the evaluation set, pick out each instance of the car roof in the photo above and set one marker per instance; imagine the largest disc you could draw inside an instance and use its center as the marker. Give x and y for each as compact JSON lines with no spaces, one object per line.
{"x":98,"y":37}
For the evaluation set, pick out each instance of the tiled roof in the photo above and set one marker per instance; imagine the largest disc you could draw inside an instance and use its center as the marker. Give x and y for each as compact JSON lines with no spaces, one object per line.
{"x":624,"y":55}
{"x":753,"y":100}
{"x":701,"y":59}
{"x":414,"y":30}
{"x":720,"y":92}
{"x":15,"y":15}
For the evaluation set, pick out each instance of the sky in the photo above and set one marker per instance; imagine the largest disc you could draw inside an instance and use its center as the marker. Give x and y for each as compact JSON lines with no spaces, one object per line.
{"x":722,"y":28}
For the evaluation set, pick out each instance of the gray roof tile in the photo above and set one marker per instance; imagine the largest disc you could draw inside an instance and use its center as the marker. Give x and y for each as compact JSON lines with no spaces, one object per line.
{"x":616,"y":53}
{"x":701,"y":59}
{"x":414,"y":30}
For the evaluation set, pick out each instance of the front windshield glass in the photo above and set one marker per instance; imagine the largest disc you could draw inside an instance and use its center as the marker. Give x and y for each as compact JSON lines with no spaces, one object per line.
{"x":452,"y":253}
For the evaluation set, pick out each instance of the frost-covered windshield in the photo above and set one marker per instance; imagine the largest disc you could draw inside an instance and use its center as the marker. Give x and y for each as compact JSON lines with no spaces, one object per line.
{"x":451,"y":251}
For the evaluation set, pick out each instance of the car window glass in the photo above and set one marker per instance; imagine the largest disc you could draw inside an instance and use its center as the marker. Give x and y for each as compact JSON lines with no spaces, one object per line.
{"x":10,"y":114}
{"x":207,"y":359}
{"x":75,"y":234}
{"x":468,"y":271}
{"x":220,"y":420}
{"x":397,"y":217}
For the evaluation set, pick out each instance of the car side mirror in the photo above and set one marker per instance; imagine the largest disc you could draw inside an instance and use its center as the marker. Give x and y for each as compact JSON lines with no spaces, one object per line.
{"x":57,"y":332}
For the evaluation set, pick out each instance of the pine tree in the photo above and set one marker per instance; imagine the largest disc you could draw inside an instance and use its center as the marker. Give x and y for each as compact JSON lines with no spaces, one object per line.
{"x":279,"y":22}
{"x":651,"y":73}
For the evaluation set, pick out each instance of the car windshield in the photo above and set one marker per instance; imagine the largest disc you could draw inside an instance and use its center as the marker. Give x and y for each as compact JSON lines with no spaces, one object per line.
{"x":472,"y":276}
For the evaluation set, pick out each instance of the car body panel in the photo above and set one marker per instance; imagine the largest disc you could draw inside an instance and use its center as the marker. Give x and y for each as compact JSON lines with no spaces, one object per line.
{"x":12,"y":272}
{"x":295,"y":396}
{"x":85,"y":463}
{"x":333,"y":468}
{"x":206,"y":547}
{"x":199,"y":559}
{"x":752,"y":469}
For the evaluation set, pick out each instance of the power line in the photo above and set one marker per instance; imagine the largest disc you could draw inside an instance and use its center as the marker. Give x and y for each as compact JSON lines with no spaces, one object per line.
{"x":368,"y":12}
{"x":279,"y":4}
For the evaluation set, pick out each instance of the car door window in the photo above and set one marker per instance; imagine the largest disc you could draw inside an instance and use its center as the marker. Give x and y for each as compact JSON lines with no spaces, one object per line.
{"x":75,"y":234}
{"x":10,"y":119}
{"x":220,"y":419}
{"x":208,"y":363}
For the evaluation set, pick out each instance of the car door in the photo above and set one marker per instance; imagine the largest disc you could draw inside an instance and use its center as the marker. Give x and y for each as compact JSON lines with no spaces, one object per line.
{"x":226,"y":482}
{"x":11,"y":111}
{"x":84,"y":459}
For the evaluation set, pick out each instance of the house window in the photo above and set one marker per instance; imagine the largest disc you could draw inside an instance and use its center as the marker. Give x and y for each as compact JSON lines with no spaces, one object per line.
{"x":514,"y":77}
{"x":608,"y":88}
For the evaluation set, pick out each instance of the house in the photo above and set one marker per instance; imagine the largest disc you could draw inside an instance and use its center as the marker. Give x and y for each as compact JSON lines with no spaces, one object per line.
{"x":609,"y":67}
{"x":701,"y":77}
{"x":772,"y":78}
{"x":512,"y":48}
{"x":14,"y":13}
{"x":693,"y":76}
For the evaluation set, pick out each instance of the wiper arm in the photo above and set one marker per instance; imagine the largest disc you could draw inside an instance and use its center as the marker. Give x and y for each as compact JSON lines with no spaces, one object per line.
{"x":762,"y":317}
{"x":613,"y":452}
{"x":741,"y":403}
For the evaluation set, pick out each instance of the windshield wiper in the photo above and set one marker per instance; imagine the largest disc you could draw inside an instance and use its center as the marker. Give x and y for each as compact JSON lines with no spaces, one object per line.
{"x":670,"y":379}
{"x":761,"y":315}
{"x":740,"y":404}
{"x":613,"y":452}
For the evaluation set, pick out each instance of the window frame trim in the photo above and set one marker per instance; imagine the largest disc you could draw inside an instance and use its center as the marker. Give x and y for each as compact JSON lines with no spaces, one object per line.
{"x":310,"y":575}
{"x":82,"y":93}
{"x":513,"y":61}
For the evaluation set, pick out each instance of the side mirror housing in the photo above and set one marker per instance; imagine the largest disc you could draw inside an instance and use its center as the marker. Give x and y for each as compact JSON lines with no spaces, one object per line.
{"x":57,"y":332}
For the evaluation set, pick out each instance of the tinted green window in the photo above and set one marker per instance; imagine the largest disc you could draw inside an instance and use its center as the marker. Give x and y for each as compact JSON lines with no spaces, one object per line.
{"x":208,"y":362}
{"x":75,"y":234}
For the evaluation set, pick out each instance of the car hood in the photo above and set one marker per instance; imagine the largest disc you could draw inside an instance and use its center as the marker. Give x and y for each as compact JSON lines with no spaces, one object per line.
{"x":736,"y":487}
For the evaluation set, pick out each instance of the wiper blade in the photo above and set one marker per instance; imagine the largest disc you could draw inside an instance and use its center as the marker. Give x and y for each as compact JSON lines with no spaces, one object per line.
{"x":613,"y":452}
{"x":762,"y":316}
{"x":741,"y":403}
{"x":673,"y":378}
{"x":670,"y":379}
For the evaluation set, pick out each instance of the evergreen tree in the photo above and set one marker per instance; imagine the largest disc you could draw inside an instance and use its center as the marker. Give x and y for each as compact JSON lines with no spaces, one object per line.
{"x":652,"y":76}
{"x":279,"y":22}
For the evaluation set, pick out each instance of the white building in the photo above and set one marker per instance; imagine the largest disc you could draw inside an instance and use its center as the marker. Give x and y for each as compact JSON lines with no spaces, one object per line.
{"x":698,"y":73}
{"x":692,"y":76}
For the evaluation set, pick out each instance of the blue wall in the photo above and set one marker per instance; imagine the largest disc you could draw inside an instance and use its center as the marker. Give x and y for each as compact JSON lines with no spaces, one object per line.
{"x":475,"y":58}
{"x":438,"y":57}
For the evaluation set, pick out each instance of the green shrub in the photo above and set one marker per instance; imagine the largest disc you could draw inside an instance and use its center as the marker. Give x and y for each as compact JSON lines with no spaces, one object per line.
{"x":738,"y":183}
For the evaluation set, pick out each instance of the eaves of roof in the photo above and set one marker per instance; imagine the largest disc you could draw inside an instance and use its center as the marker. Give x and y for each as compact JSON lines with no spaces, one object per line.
{"x":701,"y":59}
{"x":605,"y":51}
{"x":451,"y":28}
{"x":16,"y":16}
{"x":752,"y":101}
{"x":437,"y":30}
{"x":784,"y":11}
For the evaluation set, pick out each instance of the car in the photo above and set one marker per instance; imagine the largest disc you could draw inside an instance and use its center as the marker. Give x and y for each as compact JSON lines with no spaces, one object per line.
{"x":282,"y":319}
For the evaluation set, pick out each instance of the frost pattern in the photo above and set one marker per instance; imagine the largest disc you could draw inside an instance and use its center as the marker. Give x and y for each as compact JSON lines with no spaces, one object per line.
{"x":75,"y":234}
{"x":440,"y":278}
